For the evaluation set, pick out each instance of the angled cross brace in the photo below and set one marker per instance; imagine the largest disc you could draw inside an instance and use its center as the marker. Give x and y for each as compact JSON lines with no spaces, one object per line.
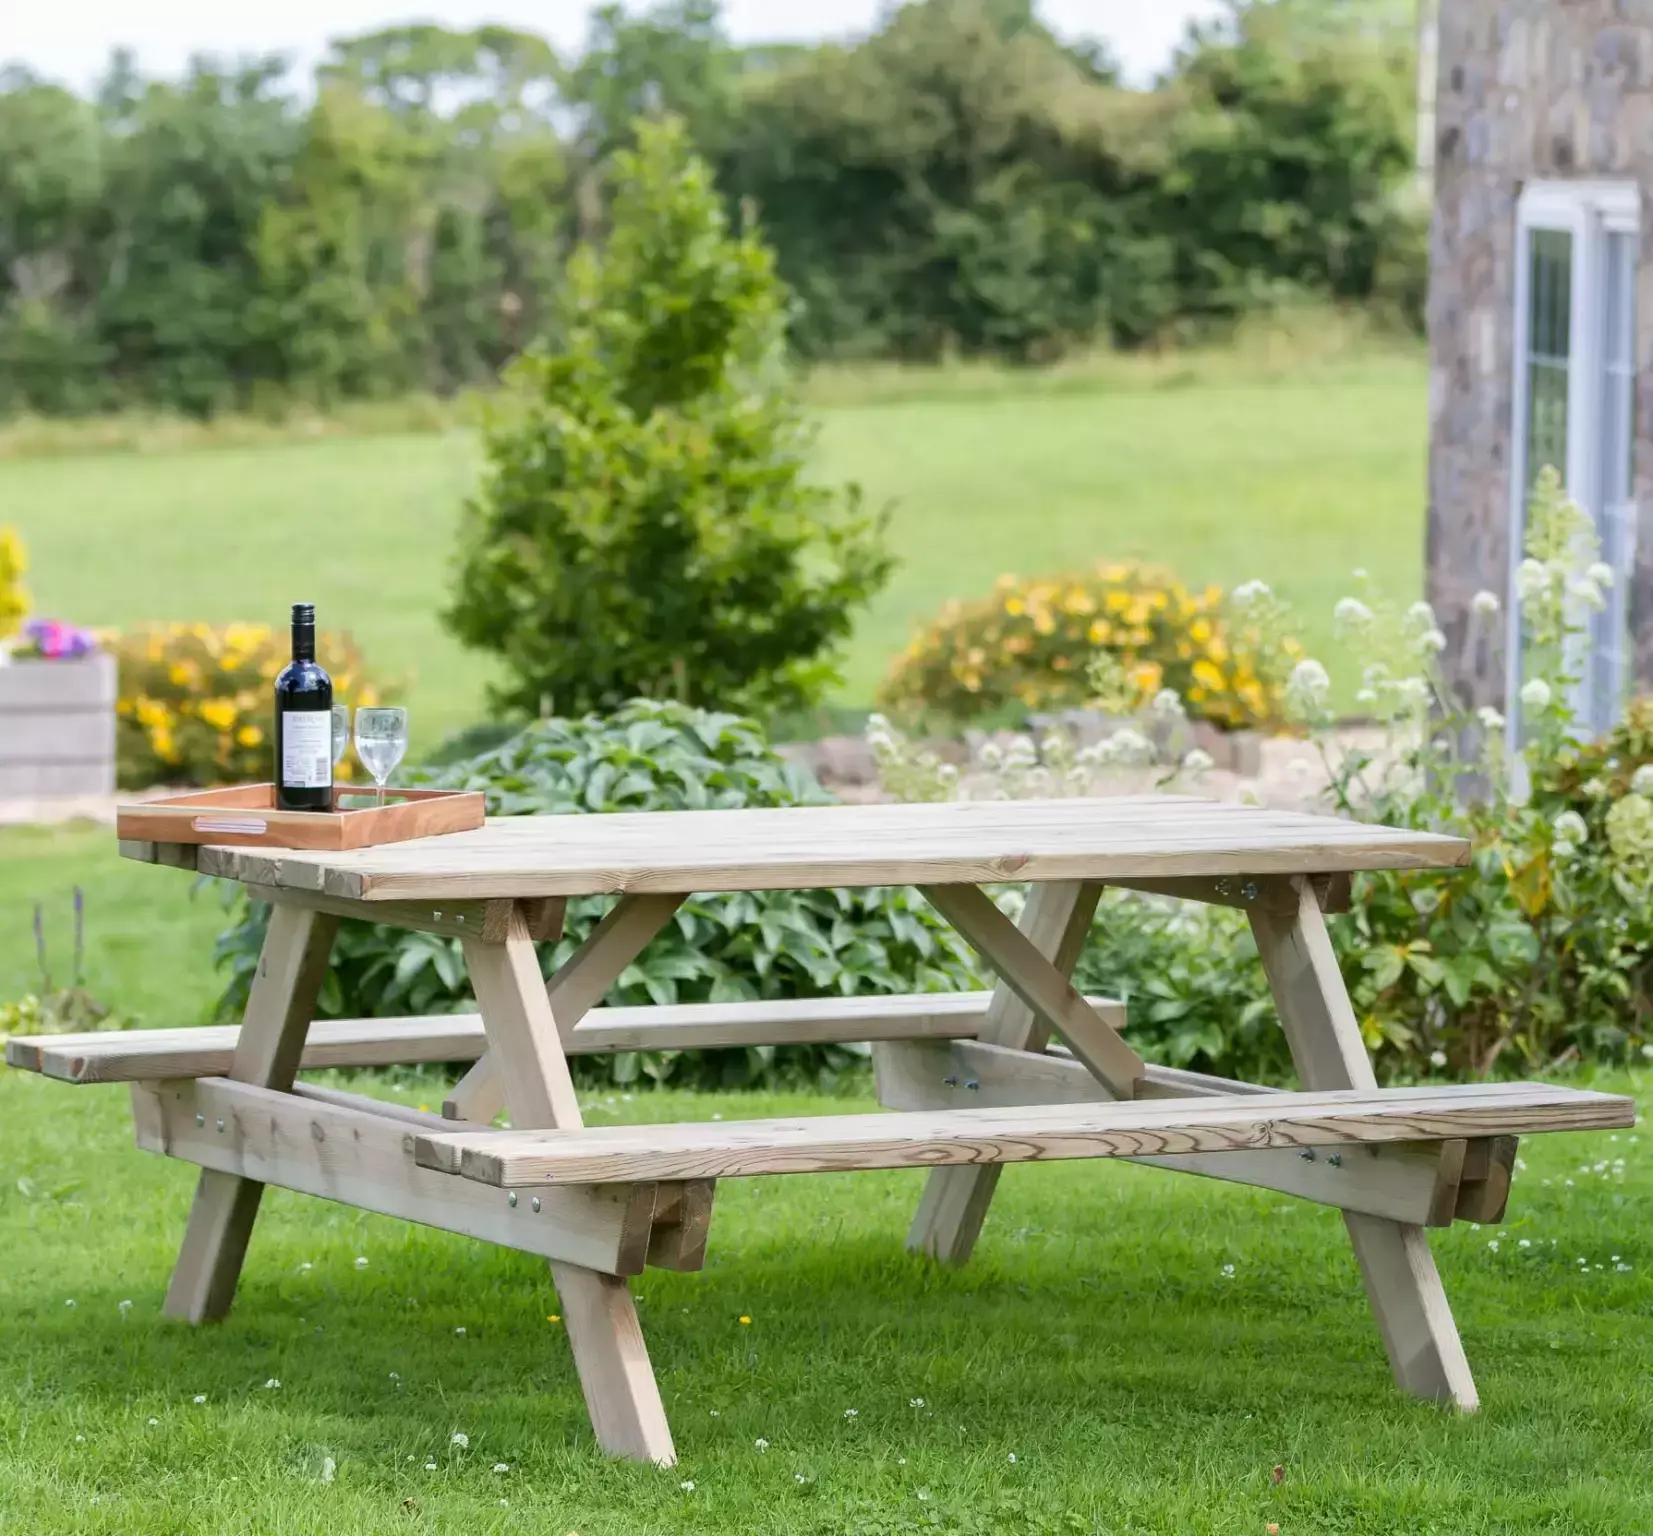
{"x":577,"y":988}
{"x":1054,"y":926}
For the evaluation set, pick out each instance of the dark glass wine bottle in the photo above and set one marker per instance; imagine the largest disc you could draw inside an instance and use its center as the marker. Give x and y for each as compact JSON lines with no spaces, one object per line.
{"x":304,"y":723}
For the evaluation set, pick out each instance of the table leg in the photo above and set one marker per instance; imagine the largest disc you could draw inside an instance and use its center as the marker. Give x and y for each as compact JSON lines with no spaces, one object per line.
{"x":1399,"y":1271}
{"x":291,"y":969}
{"x":954,"y":1205}
{"x":621,"y":1394}
{"x":578,"y":986}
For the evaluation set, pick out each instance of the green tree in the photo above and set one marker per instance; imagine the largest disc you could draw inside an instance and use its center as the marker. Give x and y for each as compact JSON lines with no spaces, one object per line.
{"x":645,"y":526}
{"x":957,"y":183}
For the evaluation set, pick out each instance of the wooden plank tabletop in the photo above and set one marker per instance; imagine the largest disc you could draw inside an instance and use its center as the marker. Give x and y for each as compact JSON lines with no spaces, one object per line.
{"x":972,"y":842}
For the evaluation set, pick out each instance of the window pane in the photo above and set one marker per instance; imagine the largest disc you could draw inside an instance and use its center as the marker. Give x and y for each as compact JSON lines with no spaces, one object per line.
{"x":1549,"y":348}
{"x":1615,"y":514}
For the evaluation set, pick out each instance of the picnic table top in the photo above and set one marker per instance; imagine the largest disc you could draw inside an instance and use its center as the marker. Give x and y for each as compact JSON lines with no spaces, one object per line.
{"x":1140,"y":837}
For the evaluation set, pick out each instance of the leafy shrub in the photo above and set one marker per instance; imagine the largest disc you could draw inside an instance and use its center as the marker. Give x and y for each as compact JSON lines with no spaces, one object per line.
{"x":655,"y":756}
{"x":196,"y":704}
{"x":14,"y":596}
{"x":1033,"y":643}
{"x":645,"y":527}
{"x":1194,"y":990}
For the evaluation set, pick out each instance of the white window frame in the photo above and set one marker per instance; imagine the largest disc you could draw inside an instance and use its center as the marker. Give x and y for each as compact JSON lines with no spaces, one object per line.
{"x":1589,"y":211}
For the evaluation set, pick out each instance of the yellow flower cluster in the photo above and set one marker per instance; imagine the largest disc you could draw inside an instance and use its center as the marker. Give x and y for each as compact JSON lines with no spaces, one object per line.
{"x":197,"y":700}
{"x":14,"y":597}
{"x":1032,"y":642}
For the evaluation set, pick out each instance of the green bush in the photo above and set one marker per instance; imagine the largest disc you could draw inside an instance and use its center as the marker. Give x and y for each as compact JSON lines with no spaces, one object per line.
{"x":652,"y":757}
{"x":645,"y":527}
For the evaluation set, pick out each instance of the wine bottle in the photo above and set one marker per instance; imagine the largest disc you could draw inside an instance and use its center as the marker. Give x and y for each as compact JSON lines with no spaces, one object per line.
{"x":304,"y":723}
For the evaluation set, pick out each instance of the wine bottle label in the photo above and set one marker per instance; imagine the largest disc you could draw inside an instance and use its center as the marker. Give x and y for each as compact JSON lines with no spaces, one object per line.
{"x":307,"y":748}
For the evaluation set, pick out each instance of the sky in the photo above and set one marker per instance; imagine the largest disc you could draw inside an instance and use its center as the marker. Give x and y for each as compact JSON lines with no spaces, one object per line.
{"x":70,"y":40}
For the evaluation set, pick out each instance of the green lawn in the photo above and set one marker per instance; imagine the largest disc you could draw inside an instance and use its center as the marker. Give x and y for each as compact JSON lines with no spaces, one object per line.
{"x":1098,"y":1338}
{"x":1294,"y":480}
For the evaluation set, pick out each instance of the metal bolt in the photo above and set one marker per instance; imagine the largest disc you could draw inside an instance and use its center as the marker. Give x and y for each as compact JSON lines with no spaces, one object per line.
{"x":1224,"y":887}
{"x":511,"y":1199}
{"x":972,"y":1085}
{"x":535,"y":1202}
{"x":1336,"y":1159}
{"x":200,"y":1119}
{"x":220,"y":1125}
{"x":1307,"y":1154}
{"x":949,"y":1082}
{"x":1249,"y":891}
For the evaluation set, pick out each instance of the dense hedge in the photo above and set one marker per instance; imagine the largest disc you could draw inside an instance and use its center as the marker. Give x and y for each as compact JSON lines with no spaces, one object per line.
{"x":958,"y":182}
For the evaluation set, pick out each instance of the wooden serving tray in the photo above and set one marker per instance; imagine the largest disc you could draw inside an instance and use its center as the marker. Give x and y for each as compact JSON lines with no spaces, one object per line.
{"x":245,"y":816}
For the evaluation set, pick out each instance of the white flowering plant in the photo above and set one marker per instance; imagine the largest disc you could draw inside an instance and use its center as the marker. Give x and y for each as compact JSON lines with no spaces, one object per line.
{"x":1541,"y":949}
{"x":1539,"y":952}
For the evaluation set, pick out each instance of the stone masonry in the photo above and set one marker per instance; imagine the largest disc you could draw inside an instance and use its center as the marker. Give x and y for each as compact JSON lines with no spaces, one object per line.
{"x":1526,"y":89}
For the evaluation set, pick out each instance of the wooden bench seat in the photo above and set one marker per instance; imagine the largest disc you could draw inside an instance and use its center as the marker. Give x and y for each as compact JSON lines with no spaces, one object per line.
{"x":1026,"y":1133}
{"x":148,"y":1054}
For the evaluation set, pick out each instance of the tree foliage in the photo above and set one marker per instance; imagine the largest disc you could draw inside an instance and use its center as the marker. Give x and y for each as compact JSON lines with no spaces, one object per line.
{"x":645,"y":527}
{"x":961,"y":181}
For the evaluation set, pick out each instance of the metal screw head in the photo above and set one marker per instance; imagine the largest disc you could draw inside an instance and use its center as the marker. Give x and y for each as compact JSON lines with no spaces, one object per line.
{"x":1224,"y":887}
{"x":200,"y":1119}
{"x":511,"y":1199}
{"x":535,"y":1202}
{"x":220,"y":1125}
{"x":1336,"y":1159}
{"x":972,"y":1085}
{"x":1249,"y":891}
{"x":1307,"y":1154}
{"x":949,"y":1082}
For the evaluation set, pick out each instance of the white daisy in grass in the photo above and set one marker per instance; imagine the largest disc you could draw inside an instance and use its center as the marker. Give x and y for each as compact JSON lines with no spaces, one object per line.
{"x":361,"y":1261}
{"x":461,"y":1439}
{"x":200,"y":1397}
{"x":500,"y":1466}
{"x":430,"y":1466}
{"x":760,"y":1444}
{"x":272,"y":1384}
{"x":687,"y":1485}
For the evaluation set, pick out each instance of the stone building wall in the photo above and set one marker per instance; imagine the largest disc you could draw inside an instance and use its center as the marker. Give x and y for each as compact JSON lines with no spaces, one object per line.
{"x":1527,"y":89}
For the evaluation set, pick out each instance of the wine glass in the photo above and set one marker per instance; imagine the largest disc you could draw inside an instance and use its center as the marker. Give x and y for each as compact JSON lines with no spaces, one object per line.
{"x":381,"y":739}
{"x":341,"y":732}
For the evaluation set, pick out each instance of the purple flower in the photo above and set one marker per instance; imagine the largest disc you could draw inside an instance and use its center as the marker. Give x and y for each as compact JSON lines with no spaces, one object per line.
{"x":54,"y":640}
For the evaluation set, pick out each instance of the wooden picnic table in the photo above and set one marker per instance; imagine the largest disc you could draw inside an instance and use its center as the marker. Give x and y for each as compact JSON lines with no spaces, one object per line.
{"x":1031,"y":1071}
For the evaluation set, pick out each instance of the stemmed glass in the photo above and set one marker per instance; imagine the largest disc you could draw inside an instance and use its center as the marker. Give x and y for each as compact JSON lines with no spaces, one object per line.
{"x":381,"y":739}
{"x":341,"y":732}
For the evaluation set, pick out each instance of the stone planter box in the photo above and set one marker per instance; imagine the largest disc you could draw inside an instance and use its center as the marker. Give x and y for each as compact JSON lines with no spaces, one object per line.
{"x":57,"y":728}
